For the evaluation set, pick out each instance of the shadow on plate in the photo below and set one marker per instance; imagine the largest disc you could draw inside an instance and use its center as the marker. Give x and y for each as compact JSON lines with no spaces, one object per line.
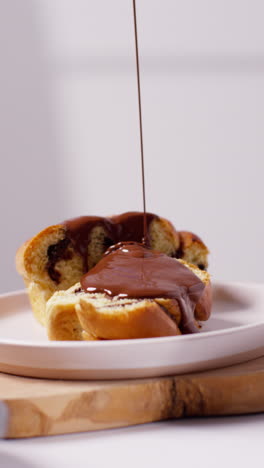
{"x":215,"y":324}
{"x":228,"y":299}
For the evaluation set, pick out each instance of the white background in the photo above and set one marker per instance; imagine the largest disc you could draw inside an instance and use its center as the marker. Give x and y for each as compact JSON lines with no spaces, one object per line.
{"x":69,"y":140}
{"x":69,"y":146}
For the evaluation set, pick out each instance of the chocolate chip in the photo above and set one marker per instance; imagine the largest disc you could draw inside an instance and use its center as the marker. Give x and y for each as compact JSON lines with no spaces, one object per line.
{"x":108,"y":242}
{"x":57,"y":252}
{"x":178,"y":253}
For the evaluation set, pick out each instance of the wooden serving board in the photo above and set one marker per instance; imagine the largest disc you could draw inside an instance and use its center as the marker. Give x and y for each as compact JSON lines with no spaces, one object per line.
{"x":37,"y":407}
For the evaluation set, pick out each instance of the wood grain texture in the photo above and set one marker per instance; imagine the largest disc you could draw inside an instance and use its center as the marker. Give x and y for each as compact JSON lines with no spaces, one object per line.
{"x":38,"y":407}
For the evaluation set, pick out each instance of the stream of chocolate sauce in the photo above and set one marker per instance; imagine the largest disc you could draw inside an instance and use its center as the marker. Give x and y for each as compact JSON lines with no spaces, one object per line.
{"x":140,"y":122}
{"x":129,"y":268}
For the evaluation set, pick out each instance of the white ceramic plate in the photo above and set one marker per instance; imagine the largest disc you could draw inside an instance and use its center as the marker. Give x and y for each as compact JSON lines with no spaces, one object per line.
{"x":234,"y":333}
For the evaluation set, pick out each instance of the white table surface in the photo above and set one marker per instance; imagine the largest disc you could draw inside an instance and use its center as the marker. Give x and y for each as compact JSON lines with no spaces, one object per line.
{"x":212,"y":442}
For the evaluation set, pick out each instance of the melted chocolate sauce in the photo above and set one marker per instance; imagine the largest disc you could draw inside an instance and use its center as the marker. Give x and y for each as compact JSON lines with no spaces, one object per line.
{"x":144,"y":239}
{"x":121,"y":228}
{"x":130,"y":270}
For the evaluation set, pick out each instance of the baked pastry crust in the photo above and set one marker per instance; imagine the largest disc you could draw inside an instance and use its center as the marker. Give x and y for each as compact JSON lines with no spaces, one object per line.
{"x":193,"y":250}
{"x":49,"y":262}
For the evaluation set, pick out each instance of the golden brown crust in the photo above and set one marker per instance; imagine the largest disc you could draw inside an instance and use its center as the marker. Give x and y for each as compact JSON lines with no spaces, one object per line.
{"x":29,"y":263}
{"x":188,"y":238}
{"x":20,"y":256}
{"x":86,"y":336}
{"x":193,"y":250}
{"x":32,"y":264}
{"x":25,"y":256}
{"x":143,"y":320}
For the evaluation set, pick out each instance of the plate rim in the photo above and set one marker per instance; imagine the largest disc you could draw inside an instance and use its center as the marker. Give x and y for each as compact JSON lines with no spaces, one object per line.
{"x":137,"y":341}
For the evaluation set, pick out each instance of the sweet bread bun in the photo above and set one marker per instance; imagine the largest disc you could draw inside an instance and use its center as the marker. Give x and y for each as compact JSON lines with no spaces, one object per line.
{"x":57,"y":257}
{"x":76,"y":315}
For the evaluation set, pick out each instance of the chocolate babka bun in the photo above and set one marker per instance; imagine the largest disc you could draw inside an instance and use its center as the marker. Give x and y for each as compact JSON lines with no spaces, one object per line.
{"x":125,"y":296}
{"x":57,"y":257}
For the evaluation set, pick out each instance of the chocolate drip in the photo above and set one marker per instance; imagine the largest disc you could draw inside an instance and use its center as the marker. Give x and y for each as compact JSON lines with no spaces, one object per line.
{"x":129,"y":270}
{"x":78,"y":230}
{"x":125,"y":227}
{"x":145,"y":238}
{"x":133,"y":227}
